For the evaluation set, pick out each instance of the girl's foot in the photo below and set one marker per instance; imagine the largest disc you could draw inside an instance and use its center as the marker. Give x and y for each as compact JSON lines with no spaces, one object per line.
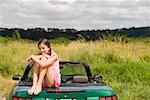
{"x":37,"y":90}
{"x":30,"y":92}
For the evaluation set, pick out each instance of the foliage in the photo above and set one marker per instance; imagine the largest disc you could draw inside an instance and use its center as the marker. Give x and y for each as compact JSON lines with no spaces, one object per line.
{"x":72,"y":34}
{"x":60,"y":40}
{"x":16,"y":35}
{"x":124,"y":66}
{"x":115,"y":38}
{"x":6,"y":40}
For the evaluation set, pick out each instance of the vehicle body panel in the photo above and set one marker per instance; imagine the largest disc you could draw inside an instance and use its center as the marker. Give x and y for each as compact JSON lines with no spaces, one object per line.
{"x":66,"y":91}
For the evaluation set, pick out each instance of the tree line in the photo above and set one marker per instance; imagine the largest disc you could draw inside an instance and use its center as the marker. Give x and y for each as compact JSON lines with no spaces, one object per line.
{"x":73,"y":34}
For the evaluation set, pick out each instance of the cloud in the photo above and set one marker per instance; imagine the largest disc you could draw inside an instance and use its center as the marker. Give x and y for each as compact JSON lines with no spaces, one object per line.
{"x":78,"y":14}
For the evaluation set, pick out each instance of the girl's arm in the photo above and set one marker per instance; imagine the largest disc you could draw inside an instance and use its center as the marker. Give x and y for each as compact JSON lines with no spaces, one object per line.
{"x":31,"y":60}
{"x":45,"y":63}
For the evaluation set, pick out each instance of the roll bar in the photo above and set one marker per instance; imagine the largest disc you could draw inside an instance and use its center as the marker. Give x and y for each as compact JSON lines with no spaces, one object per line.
{"x":86,"y":66}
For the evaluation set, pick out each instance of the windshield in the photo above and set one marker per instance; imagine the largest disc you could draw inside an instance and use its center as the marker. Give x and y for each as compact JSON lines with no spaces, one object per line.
{"x":72,"y":70}
{"x":68,"y":70}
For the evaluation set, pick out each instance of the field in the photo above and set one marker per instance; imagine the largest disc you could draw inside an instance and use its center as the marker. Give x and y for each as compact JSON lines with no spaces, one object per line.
{"x":124,"y":66}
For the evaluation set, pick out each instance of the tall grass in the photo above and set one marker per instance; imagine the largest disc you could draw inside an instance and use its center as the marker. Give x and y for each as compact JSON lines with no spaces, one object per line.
{"x":124,"y":66}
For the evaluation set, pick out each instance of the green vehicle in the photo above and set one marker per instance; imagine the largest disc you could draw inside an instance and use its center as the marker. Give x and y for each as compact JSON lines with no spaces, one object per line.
{"x":77,"y":83}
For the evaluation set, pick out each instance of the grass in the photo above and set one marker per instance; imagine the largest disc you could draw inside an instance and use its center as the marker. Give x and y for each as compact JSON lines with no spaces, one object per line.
{"x":124,"y":66}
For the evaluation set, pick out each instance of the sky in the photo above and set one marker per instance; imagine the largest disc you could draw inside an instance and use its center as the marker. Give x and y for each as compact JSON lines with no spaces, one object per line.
{"x":77,"y":14}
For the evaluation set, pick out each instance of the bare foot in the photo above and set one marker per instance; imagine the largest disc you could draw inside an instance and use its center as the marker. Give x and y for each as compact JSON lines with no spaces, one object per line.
{"x":30,"y":92}
{"x":37,"y":90}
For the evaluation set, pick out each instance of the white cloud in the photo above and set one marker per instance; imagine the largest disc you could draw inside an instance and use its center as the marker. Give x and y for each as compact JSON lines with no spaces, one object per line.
{"x":79,"y":14}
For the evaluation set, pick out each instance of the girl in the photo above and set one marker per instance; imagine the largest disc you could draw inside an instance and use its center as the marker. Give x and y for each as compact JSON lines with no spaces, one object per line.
{"x":46,"y":68}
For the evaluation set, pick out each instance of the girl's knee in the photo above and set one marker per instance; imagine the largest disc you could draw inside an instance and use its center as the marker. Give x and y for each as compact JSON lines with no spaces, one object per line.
{"x":43,"y":68}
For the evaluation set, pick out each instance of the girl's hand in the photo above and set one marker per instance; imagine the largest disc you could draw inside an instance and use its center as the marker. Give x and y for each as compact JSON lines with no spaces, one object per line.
{"x":30,"y":59}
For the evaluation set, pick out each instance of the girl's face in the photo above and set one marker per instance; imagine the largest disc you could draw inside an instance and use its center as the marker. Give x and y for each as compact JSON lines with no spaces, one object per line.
{"x":43,"y":49}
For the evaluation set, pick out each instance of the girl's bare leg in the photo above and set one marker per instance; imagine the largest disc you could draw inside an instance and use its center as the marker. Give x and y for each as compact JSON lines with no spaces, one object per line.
{"x":40,"y":80}
{"x":35,"y":78}
{"x":46,"y":73}
{"x":49,"y":78}
{"x":42,"y":73}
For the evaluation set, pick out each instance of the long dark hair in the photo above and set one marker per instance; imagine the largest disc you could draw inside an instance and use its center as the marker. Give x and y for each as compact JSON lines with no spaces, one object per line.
{"x":45,"y":41}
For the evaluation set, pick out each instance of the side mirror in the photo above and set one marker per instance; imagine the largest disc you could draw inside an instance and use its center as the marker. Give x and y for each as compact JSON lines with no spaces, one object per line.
{"x":98,"y":78}
{"x":16,"y":77}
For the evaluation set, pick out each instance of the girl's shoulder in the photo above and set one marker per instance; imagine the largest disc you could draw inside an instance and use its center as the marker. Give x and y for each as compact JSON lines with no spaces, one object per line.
{"x":53,"y":53}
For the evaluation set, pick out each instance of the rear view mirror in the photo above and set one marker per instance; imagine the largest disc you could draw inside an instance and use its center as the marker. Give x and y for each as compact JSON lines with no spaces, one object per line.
{"x":16,"y":77}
